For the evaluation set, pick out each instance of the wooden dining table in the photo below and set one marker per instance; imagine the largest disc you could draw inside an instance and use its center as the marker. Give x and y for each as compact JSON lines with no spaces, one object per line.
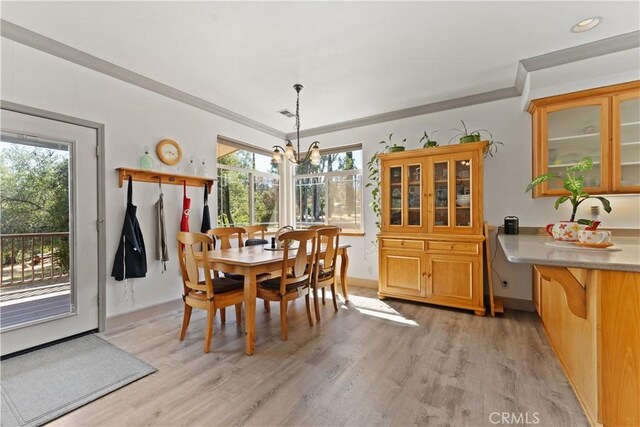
{"x":253,"y":261}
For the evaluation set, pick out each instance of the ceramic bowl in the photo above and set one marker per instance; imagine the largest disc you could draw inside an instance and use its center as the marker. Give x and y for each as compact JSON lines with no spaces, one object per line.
{"x":463,"y":199}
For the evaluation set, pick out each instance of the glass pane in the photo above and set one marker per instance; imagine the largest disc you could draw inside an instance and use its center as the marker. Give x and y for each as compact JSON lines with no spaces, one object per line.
{"x":35,"y":236}
{"x":233,"y":198}
{"x":348,"y":160}
{"x":232,"y":156}
{"x":310,"y":201}
{"x":463,"y":193}
{"x":265,"y":201}
{"x":415,"y":194}
{"x":572,"y":135}
{"x":344,"y":204}
{"x":630,"y":140}
{"x":441,"y":182}
{"x":395,"y":214}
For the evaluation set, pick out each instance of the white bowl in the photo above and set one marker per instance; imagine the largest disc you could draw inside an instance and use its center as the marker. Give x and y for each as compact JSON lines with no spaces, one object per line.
{"x":463,"y":199}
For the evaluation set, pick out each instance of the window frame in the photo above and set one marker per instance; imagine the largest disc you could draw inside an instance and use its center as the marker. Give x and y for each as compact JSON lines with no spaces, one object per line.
{"x":252,"y":174}
{"x":327,"y":176}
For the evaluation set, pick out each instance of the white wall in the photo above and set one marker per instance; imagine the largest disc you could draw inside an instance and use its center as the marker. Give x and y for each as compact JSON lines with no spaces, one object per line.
{"x":133,"y":118}
{"x":507,"y":174}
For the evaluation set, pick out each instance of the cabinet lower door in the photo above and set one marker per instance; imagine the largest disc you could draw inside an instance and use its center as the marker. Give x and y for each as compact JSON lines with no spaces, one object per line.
{"x":402,"y":273}
{"x":454,"y":280}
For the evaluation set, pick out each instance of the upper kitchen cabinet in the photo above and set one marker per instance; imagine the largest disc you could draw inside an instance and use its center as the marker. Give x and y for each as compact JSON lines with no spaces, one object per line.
{"x":602,"y":123}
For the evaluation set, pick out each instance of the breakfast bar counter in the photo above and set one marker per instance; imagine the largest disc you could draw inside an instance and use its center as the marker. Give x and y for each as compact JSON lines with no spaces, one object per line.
{"x":589,"y":305}
{"x":533,"y":249}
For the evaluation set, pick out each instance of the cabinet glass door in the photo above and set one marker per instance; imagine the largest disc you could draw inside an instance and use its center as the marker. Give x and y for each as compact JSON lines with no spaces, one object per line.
{"x":441,"y":194}
{"x":629,"y":143}
{"x":395,"y":208}
{"x":463,"y":192}
{"x":572,"y":134}
{"x":414,"y":197}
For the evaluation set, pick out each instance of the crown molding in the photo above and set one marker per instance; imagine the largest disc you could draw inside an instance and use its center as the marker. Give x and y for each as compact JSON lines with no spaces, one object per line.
{"x":525,"y":66}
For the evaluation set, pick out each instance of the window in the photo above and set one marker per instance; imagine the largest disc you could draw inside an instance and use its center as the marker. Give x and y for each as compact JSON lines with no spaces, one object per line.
{"x":248,"y":186}
{"x":331,"y":193}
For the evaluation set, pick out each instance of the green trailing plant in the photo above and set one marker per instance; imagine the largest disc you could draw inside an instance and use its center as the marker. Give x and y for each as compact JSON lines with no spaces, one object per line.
{"x":428,"y":141}
{"x":573,"y":183}
{"x":375,"y":179}
{"x":465,"y":135}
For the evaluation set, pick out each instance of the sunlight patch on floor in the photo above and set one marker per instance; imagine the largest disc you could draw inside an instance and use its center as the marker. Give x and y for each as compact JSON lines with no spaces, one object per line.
{"x":376,"y":308}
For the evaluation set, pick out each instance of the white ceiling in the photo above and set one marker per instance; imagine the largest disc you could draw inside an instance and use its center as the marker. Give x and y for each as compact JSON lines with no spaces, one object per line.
{"x":355,"y":59}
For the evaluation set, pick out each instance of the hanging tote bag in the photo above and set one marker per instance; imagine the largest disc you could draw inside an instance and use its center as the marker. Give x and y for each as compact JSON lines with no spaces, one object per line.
{"x":206,"y":217}
{"x":162,"y":251}
{"x":131,"y":257}
{"x":186,"y":205}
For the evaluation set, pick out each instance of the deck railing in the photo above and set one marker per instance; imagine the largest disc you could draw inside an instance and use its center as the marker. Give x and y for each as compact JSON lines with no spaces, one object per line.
{"x":34,"y":257}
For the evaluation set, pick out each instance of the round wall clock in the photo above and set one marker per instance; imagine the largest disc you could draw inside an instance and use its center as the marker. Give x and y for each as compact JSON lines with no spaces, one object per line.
{"x":169,"y":151}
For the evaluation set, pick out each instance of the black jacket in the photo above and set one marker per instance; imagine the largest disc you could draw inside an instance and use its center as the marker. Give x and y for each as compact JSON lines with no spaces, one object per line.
{"x":131,"y":257}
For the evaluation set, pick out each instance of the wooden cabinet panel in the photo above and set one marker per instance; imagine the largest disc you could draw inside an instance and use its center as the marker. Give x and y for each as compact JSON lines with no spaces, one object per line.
{"x":574,"y":340}
{"x":402,"y":273}
{"x":602,"y":123}
{"x":451,"y":278}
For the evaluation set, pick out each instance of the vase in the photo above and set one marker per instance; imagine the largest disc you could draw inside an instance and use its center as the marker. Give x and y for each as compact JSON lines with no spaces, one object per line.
{"x":396,"y":149}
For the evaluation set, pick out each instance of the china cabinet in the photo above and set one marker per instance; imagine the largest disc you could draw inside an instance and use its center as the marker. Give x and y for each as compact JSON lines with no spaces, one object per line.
{"x":602,"y":123}
{"x":431,"y":230}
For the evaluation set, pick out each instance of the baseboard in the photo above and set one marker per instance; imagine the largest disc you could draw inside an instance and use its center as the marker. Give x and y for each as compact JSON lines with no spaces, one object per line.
{"x":517,"y":304}
{"x":124,"y":319}
{"x":363,"y":283}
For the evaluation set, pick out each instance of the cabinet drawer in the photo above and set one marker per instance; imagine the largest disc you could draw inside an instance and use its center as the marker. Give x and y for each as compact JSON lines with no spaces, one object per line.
{"x":403,"y":244}
{"x":454,"y":247}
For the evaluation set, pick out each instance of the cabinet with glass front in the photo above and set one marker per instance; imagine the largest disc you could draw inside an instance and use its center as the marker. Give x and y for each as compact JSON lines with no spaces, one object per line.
{"x":430,"y":244}
{"x":603,"y":124}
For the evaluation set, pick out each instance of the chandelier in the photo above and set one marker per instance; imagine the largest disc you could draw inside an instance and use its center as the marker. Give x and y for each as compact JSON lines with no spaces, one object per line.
{"x":313,"y":152}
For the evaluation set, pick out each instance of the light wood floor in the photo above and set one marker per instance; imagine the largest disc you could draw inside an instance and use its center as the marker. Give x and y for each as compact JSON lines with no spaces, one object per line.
{"x":372,"y":363}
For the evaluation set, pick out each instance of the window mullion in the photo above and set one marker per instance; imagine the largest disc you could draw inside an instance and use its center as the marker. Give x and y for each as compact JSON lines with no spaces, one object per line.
{"x":252,"y":215}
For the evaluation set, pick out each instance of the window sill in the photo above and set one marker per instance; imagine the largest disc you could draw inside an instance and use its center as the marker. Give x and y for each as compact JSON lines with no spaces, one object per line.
{"x":352,"y":233}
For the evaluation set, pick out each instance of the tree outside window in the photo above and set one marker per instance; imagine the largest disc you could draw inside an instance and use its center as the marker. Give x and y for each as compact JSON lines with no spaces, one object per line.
{"x":331,"y":192}
{"x":248,"y":188}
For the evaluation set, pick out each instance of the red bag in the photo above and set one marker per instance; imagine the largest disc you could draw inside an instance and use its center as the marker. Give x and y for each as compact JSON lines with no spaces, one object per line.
{"x":186,"y":205}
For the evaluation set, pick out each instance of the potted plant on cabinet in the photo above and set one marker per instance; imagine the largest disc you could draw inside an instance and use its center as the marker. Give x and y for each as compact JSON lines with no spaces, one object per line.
{"x":573,"y":183}
{"x":428,"y":142}
{"x":465,"y":136}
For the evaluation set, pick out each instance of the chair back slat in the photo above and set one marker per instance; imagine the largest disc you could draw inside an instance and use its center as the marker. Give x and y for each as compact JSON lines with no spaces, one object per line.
{"x":226,"y":234}
{"x":330,"y":238}
{"x":299,"y":269}
{"x":187,"y":244}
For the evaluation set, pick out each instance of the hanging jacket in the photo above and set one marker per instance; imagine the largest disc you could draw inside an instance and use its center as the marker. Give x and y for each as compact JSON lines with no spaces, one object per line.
{"x":162,"y":251}
{"x":186,"y":205}
{"x":206,"y":217}
{"x":131,"y":257}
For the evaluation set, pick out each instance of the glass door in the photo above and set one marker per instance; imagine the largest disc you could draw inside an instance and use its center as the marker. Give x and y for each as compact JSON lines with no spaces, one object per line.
{"x":626,"y":140}
{"x":463,"y":193}
{"x":573,"y":131}
{"x":49,"y":239}
{"x":414,"y":195}
{"x":441,"y":195}
{"x":396,"y":199}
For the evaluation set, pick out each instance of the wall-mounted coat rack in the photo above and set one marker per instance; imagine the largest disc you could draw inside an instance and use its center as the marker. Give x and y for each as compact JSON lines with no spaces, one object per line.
{"x":164,"y":177}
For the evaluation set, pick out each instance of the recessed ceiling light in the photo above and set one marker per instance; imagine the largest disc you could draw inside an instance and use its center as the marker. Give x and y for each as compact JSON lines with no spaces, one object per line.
{"x":586,"y":24}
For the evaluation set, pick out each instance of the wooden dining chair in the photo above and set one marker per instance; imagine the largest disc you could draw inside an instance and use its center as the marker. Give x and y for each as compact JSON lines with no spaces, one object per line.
{"x":208,"y":294}
{"x":325,"y":266}
{"x":255,"y":235}
{"x":226,"y":234}
{"x":296,"y":277}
